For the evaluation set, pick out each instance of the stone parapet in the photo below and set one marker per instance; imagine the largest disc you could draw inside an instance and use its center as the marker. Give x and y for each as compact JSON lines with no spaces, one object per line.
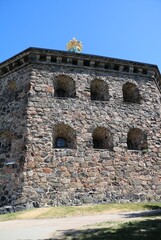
{"x":47,"y":56}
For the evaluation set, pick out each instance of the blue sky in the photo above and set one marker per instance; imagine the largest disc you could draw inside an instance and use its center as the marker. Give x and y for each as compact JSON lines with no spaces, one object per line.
{"x":126,"y":29}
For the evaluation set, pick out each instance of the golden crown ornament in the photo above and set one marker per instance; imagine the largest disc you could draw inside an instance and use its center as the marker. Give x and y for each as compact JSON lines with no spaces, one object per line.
{"x":74,"y":46}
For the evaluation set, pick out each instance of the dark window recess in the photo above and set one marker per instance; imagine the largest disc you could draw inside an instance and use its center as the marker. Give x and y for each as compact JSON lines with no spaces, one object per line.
{"x":131,"y":93}
{"x":86,"y":63}
{"x":17,"y":63}
{"x":53,"y":59}
{"x":20,"y":62}
{"x":60,"y":143}
{"x":116,"y":67}
{"x":106,"y":66}
{"x":102,"y":138}
{"x":4,"y":70}
{"x":126,"y":69}
{"x":137,"y":140}
{"x":42,"y":58}
{"x":99,"y":90}
{"x":135,"y":70}
{"x":26,"y":58}
{"x":64,"y":87}
{"x":75,"y":62}
{"x":97,"y":143}
{"x":60,"y":93}
{"x":94,"y":96}
{"x":145,"y":71}
{"x":64,"y":136}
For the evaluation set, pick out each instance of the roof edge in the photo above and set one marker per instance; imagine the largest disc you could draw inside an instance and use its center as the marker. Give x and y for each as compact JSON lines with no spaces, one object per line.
{"x":84,"y":55}
{"x":51,"y":56}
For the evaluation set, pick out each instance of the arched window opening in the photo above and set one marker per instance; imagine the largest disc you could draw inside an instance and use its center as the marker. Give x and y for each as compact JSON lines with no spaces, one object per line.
{"x":64,"y":136}
{"x":5,"y":142}
{"x":99,"y":90}
{"x":102,"y":138}
{"x":137,"y":140}
{"x":64,"y":87}
{"x":131,"y":93}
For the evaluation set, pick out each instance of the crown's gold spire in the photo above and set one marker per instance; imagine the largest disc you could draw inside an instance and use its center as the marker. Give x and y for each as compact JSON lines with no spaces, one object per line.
{"x":74,"y":46}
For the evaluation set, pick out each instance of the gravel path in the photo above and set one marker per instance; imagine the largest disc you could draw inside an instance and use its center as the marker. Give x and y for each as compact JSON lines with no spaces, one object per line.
{"x":44,"y":229}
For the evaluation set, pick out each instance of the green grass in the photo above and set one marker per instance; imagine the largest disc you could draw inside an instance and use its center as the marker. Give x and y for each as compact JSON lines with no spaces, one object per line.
{"x":66,"y":211}
{"x":134,"y":230}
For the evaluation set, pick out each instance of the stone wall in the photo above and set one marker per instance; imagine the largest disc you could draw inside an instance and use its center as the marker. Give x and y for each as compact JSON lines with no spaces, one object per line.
{"x":82,"y":174}
{"x":14,"y":90}
{"x":96,"y":165}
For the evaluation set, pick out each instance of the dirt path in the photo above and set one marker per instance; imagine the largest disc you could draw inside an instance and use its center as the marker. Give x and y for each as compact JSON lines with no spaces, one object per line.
{"x":45,"y":228}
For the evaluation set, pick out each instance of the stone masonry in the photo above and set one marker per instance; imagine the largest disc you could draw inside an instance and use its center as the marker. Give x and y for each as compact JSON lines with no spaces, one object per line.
{"x":105,"y":111}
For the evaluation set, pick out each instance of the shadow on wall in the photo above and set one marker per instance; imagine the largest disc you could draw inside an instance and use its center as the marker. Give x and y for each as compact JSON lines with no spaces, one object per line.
{"x":13,"y":130}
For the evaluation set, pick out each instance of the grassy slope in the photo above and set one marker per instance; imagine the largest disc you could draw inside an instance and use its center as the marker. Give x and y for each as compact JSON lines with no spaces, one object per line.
{"x":65,"y":211}
{"x":148,"y":229}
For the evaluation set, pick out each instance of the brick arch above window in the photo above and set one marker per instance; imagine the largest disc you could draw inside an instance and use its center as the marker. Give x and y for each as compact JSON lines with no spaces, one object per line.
{"x":64,"y":87}
{"x":137,"y":139}
{"x":99,"y":90}
{"x":131,"y":93}
{"x":102,"y":138}
{"x":64,"y":136}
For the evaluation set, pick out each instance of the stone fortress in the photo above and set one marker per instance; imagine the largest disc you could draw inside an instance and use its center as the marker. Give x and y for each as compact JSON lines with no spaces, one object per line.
{"x":78,"y":128}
